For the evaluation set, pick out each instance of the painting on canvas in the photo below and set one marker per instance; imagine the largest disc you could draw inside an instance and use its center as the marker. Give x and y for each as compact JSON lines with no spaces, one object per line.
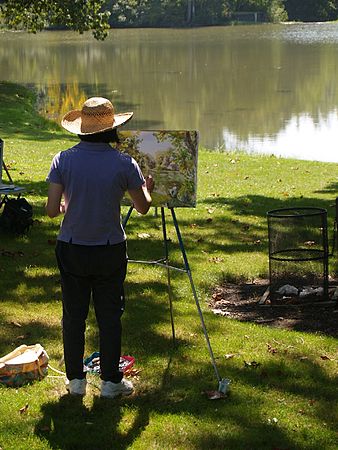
{"x":171,"y":158}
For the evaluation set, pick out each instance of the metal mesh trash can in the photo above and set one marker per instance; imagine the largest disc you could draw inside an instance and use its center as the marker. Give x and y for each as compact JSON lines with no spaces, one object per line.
{"x":298,"y":253}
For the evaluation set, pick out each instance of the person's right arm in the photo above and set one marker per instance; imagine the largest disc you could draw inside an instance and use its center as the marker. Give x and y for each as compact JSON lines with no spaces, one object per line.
{"x":54,"y":205}
{"x":141,"y":196}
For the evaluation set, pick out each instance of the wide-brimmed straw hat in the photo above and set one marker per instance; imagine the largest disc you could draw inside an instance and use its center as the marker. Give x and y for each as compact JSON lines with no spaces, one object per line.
{"x":97,"y":115}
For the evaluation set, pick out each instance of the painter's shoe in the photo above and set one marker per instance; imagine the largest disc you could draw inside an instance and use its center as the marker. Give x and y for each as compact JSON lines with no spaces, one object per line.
{"x":76,"y":386}
{"x":112,"y":390}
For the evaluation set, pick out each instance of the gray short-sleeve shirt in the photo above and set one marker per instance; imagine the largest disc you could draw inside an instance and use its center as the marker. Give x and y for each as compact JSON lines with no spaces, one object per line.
{"x":94,"y":177}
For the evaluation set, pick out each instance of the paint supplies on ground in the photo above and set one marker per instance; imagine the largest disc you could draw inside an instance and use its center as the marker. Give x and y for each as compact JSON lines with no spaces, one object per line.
{"x":92,"y":363}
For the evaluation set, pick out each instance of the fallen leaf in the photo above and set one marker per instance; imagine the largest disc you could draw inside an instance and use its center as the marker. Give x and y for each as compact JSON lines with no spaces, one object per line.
{"x":209,"y":220}
{"x":17,"y":324}
{"x":220,"y":312}
{"x":20,"y":338}
{"x":309,"y":243}
{"x":273,"y":420}
{"x":143,"y":235}
{"x":210,"y":211}
{"x":229,"y":355}
{"x":132,"y":372}
{"x":23,"y":410}
{"x":216,"y":259}
{"x":303,"y":358}
{"x":253,"y":364}
{"x":271,"y":349}
{"x":324,"y":357}
{"x":215,"y":395}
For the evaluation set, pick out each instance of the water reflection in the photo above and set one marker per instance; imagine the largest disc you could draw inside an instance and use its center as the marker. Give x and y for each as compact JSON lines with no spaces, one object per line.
{"x":266,"y":88}
{"x":301,"y":138}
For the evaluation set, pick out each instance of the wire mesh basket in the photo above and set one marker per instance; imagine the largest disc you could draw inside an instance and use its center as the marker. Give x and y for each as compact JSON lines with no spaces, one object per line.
{"x":298,"y":252}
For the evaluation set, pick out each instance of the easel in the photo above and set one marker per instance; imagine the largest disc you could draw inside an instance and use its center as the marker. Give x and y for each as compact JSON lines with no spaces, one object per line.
{"x":164,"y":262}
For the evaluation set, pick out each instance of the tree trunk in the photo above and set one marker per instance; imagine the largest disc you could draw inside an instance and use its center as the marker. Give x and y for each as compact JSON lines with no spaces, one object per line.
{"x":190,"y":10}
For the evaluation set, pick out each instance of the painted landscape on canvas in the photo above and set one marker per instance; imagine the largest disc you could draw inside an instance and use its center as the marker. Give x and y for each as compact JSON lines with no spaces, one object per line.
{"x":170,"y":157}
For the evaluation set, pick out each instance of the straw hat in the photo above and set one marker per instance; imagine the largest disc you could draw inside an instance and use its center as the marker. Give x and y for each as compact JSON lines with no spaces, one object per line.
{"x":97,"y":115}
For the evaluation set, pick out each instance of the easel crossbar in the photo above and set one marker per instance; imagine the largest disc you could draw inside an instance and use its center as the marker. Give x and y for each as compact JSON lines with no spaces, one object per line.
{"x":157,"y":263}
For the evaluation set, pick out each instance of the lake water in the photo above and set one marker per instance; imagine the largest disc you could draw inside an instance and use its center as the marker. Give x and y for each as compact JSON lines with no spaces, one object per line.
{"x":263,"y":88}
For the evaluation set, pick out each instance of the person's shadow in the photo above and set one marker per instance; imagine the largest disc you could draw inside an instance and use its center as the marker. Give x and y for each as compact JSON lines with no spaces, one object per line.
{"x":69,"y":424}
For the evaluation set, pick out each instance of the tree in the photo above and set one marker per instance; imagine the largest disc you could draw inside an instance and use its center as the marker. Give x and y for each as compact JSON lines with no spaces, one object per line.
{"x":312,"y":10}
{"x":35,"y":15}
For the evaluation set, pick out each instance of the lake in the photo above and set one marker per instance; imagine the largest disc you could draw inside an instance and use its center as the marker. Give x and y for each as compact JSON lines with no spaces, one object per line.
{"x":260,"y":88}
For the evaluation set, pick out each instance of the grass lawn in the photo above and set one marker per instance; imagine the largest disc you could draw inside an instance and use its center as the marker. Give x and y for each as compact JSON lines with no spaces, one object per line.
{"x":288,"y":402}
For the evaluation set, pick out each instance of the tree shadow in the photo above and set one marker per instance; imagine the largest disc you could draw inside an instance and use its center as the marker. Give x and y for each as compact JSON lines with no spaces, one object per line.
{"x":180,"y":405}
{"x":15,"y":333}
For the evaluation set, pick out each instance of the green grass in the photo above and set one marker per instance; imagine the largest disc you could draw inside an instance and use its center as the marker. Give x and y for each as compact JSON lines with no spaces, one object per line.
{"x":287,"y":402}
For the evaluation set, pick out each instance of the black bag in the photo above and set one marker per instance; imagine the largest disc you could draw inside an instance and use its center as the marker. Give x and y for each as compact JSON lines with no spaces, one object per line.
{"x":17,"y":216}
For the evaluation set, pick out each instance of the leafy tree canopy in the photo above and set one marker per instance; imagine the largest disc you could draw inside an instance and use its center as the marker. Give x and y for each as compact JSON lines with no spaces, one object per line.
{"x":34,"y":15}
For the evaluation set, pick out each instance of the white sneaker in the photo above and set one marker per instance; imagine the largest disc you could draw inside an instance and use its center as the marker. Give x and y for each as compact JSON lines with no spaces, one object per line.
{"x":112,"y":390}
{"x":76,"y":386}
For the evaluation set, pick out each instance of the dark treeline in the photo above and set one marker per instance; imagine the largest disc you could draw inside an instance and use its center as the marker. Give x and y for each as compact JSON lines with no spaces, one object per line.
{"x":129,"y":13}
{"x":99,"y":15}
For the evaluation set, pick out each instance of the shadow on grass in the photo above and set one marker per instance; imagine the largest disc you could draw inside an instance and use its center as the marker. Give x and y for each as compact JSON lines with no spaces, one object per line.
{"x":27,"y":264}
{"x":177,"y":414}
{"x":14,"y":334}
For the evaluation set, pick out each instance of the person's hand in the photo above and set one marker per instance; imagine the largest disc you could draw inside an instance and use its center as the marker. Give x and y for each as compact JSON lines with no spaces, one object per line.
{"x":150,"y":183}
{"x":62,"y":208}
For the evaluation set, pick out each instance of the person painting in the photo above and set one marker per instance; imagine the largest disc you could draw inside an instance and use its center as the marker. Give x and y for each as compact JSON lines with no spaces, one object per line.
{"x":87,"y":183}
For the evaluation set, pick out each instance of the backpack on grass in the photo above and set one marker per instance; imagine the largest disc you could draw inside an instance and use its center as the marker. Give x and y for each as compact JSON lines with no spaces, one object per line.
{"x":17,"y":216}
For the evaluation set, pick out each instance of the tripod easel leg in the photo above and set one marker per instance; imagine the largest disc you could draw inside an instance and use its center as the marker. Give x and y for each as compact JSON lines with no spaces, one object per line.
{"x":125,"y":220}
{"x":186,"y":263}
{"x":186,"y":270}
{"x":166,"y":250}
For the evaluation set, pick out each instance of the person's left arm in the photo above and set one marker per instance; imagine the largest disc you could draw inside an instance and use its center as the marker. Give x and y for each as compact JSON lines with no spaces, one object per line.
{"x":54,"y":207}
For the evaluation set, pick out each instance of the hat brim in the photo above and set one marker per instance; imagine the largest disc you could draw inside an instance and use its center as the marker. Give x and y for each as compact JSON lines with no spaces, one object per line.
{"x":72,"y":122}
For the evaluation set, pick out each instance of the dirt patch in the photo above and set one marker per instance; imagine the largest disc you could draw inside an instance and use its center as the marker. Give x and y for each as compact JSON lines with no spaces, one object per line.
{"x":241,"y":302}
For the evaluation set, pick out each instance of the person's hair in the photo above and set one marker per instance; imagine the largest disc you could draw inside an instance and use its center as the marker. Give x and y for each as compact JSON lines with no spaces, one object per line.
{"x":105,"y":136}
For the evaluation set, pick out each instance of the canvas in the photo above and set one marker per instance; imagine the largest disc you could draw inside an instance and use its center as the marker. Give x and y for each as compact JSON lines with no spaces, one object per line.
{"x":170,"y":157}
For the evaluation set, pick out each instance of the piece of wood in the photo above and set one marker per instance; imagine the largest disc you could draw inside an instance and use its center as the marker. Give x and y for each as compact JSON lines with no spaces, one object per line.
{"x":264,"y":296}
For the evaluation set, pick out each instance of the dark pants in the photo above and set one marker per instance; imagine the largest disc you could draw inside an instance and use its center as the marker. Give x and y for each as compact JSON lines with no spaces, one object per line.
{"x":97,"y":271}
